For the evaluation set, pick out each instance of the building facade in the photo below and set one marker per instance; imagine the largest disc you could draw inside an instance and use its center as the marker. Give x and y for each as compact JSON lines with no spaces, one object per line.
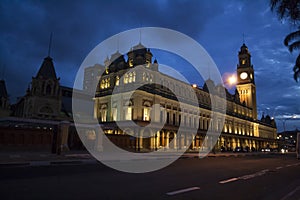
{"x":115,"y":102}
{"x":45,"y":98}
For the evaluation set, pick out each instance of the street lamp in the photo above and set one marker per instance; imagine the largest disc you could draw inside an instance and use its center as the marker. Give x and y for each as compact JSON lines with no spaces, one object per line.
{"x":232,"y":80}
{"x":229,"y":80}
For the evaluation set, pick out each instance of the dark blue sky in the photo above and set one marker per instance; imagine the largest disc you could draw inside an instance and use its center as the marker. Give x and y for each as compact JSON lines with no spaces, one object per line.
{"x":78,"y":26}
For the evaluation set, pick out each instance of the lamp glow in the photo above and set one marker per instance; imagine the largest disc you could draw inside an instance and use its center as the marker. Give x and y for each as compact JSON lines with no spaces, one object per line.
{"x":232,"y":80}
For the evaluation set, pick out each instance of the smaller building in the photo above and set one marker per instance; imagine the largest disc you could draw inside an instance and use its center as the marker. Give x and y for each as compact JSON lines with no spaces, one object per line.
{"x":45,"y":98}
{"x":288,"y":139}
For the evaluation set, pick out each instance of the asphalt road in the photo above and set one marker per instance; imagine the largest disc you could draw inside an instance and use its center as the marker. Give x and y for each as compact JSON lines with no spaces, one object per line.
{"x":256,"y":177}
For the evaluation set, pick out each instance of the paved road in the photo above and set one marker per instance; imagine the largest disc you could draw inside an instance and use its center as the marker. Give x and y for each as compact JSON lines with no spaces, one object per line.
{"x":257,"y":177}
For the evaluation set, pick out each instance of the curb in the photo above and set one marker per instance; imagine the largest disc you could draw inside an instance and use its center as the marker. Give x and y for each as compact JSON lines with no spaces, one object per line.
{"x":48,"y":163}
{"x":94,"y":161}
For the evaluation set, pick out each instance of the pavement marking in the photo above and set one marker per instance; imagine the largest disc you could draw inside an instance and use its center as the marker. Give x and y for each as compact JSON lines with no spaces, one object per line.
{"x":289,"y":165}
{"x":290,"y":193}
{"x":182,"y":191}
{"x":279,"y":167}
{"x":228,"y":180}
{"x":246,"y":177}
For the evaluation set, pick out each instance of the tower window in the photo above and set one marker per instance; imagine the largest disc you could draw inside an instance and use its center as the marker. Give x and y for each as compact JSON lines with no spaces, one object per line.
{"x":243,"y":62}
{"x":131,"y":63}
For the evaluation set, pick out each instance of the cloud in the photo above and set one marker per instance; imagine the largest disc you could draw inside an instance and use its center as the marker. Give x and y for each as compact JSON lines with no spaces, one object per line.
{"x":79,"y":26}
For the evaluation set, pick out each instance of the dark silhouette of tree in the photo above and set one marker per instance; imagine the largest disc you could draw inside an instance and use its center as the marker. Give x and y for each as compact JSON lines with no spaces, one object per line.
{"x":290,"y":10}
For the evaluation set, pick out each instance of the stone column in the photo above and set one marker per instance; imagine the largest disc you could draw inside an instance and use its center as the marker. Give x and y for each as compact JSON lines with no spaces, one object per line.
{"x":157,"y":144}
{"x":99,"y":139}
{"x":62,"y":139}
{"x":163,"y":139}
{"x":141,"y":140}
{"x":167,"y":139}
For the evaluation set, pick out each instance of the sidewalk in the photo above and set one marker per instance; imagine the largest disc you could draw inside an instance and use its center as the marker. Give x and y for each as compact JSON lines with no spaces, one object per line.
{"x":45,"y":158}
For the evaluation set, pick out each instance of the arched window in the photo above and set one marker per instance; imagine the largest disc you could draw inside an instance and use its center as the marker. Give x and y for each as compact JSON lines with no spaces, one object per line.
{"x":125,"y":78}
{"x":107,"y":83}
{"x":114,"y":112}
{"x":103,"y":113}
{"x":102,"y":85}
{"x":128,"y":110}
{"x":130,"y":78}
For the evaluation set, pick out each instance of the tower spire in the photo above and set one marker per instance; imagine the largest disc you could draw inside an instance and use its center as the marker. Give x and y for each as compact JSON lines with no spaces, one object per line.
{"x":118,"y":43}
{"x":243,"y":38}
{"x":140,"y":36}
{"x":50,"y":42}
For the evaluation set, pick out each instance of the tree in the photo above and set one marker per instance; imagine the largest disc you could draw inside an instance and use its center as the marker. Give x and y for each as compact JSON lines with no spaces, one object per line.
{"x":290,"y":10}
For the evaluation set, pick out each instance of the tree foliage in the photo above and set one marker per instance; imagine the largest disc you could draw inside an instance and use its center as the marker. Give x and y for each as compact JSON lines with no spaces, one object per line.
{"x":290,"y":10}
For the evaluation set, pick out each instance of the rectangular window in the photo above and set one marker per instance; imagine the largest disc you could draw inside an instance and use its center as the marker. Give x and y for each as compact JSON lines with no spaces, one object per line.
{"x":146,"y":115}
{"x":128,"y":113}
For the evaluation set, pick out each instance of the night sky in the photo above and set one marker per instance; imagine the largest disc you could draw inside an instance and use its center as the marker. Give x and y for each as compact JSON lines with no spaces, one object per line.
{"x":78,"y":26}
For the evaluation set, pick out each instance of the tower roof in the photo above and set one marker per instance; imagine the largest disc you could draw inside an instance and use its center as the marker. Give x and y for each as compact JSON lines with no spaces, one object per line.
{"x":47,"y":69}
{"x":115,"y":56}
{"x":244,"y":49}
{"x":138,"y":46}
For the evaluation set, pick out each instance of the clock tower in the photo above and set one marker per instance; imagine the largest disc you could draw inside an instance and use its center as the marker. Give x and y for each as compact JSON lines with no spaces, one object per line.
{"x":245,"y":80}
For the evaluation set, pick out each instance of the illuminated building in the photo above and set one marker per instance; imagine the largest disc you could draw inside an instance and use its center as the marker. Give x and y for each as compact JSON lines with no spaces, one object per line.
{"x":241,"y":127}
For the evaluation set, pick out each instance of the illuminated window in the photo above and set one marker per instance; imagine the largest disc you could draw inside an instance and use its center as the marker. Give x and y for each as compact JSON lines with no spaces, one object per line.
{"x":147,"y":63}
{"x":128,"y":113}
{"x":225,"y":128}
{"x":243,"y":62}
{"x":107,"y":83}
{"x":102,"y":85}
{"x":103,"y":113}
{"x":106,"y":70}
{"x":117,"y":80}
{"x":130,"y":62}
{"x":125,"y":78}
{"x":146,"y":115}
{"x":130,"y":78}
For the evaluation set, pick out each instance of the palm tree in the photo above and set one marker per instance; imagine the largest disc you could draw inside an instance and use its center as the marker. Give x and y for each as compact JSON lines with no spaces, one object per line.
{"x":286,"y":9}
{"x":290,"y":9}
{"x":292,"y":41}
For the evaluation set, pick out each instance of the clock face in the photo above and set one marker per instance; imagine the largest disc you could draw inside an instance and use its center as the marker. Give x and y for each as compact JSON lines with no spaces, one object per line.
{"x":243,"y":75}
